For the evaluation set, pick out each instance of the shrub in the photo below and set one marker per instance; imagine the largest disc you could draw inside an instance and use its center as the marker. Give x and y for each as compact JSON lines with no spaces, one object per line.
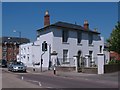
{"x":114,"y":62}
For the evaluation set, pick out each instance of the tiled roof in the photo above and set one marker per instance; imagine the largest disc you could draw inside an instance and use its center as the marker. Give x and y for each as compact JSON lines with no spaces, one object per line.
{"x":69,"y":25}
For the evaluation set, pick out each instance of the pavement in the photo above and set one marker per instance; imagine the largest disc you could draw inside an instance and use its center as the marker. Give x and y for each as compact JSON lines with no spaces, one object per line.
{"x":108,"y":77}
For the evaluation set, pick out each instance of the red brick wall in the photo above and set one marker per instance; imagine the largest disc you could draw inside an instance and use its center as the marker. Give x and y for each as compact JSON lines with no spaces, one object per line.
{"x":114,"y":55}
{"x":11,"y":52}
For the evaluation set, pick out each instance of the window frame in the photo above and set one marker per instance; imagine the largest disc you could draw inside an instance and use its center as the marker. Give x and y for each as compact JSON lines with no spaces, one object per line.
{"x":79,"y":37}
{"x":65,"y":35}
{"x":90,"y":39}
{"x":65,"y":55}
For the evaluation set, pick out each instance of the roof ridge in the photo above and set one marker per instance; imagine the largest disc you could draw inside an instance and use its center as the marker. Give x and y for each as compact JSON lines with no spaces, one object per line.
{"x":67,"y":23}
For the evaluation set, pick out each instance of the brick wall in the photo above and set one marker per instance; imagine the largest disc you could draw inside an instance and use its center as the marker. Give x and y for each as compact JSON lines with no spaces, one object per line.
{"x":114,"y":55}
{"x":111,"y":68}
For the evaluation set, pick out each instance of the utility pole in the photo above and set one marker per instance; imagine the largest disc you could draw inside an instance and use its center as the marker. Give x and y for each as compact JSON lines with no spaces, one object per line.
{"x":42,"y":60}
{"x":19,"y":44}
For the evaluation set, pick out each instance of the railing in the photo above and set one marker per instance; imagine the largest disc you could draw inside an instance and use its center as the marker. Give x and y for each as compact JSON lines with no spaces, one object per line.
{"x":82,"y":62}
{"x":65,"y":62}
{"x":93,"y":62}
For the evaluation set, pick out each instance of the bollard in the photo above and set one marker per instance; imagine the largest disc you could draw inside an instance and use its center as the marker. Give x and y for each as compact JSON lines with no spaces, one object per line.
{"x":33,"y":69}
{"x":54,"y":70}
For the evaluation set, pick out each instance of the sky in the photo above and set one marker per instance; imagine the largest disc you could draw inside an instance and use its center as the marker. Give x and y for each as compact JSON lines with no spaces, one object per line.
{"x":27,"y":17}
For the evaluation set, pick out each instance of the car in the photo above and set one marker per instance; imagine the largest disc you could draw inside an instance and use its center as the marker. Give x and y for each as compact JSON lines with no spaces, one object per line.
{"x":16,"y":66}
{"x":4,"y":63}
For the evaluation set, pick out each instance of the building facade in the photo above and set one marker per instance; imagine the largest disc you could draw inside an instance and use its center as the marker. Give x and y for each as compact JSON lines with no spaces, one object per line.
{"x":68,"y":40}
{"x":10,"y":47}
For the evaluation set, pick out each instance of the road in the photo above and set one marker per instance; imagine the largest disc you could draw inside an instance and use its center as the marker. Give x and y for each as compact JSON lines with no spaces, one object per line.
{"x":10,"y":80}
{"x":66,"y":82}
{"x":30,"y":80}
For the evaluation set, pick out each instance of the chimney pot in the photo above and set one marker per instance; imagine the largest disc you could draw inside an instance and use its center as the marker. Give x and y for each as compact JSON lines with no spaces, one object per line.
{"x":47,"y":12}
{"x":46,"y":19}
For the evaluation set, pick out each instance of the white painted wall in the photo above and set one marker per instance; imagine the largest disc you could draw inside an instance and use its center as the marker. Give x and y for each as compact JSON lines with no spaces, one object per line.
{"x":72,"y":45}
{"x":107,"y":56}
{"x":53,"y":37}
{"x":30,"y":54}
{"x":47,"y":36}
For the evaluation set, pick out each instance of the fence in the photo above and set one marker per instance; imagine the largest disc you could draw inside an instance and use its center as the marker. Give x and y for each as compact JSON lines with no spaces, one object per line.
{"x":82,"y":62}
{"x":66,"y":62}
{"x":91,"y":62}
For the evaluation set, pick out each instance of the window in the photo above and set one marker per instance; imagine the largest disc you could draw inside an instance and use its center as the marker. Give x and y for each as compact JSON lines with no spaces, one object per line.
{"x":91,"y":60}
{"x":64,"y":36}
{"x":28,"y":58}
{"x":9,"y":53}
{"x":65,"y":55}
{"x":24,"y":56}
{"x":79,"y":37}
{"x":100,"y":49}
{"x":90,"y":39}
{"x":4,"y":49}
{"x":90,"y":54}
{"x":4,"y":54}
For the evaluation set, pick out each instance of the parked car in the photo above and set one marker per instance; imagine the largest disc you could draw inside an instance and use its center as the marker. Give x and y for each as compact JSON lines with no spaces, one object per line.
{"x":4,"y":63}
{"x":16,"y":66}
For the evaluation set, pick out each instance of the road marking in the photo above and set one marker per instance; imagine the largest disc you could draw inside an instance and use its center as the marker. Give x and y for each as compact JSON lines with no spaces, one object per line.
{"x":40,"y":84}
{"x":22,"y":78}
{"x":86,"y":79}
{"x":49,"y":87}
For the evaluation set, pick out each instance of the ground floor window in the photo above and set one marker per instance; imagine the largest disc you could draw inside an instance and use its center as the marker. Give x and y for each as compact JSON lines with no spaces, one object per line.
{"x":90,"y":54}
{"x":65,"y":55}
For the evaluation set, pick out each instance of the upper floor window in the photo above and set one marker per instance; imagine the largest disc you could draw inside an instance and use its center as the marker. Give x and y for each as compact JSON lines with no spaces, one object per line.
{"x":64,"y":36}
{"x":90,"y":38}
{"x":79,"y":37}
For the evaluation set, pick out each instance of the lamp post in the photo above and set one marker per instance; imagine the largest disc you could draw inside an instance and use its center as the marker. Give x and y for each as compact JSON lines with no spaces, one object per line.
{"x":19,"y":44}
{"x":19,"y":34}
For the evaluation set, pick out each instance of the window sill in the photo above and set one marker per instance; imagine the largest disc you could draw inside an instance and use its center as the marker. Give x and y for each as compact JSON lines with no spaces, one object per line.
{"x":91,"y":45}
{"x":66,"y":62}
{"x":65,"y":43}
{"x":80,"y":44}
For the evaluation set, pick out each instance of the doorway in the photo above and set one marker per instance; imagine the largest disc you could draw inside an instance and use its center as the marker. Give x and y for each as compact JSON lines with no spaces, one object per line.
{"x":79,"y":58}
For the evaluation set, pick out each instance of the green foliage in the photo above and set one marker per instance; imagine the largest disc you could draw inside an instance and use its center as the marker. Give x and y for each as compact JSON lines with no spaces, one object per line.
{"x":114,"y":62}
{"x":114,"y":40}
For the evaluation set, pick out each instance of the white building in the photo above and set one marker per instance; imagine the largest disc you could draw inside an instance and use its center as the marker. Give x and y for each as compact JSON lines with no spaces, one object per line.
{"x":67,"y":40}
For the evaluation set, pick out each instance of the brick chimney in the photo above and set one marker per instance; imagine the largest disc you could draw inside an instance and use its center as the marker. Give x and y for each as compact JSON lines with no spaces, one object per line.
{"x":46,"y":19}
{"x":86,"y":25}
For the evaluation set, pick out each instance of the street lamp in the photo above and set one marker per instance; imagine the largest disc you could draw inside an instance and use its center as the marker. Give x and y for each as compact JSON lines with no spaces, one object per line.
{"x":19,"y":34}
{"x":20,"y":43}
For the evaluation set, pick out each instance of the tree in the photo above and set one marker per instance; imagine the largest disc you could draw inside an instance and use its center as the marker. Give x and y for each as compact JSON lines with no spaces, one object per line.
{"x":114,"y":40}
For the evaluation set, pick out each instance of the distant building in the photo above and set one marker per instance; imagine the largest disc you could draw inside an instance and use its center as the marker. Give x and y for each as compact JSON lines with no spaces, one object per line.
{"x":10,"y":47}
{"x":67,"y":40}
